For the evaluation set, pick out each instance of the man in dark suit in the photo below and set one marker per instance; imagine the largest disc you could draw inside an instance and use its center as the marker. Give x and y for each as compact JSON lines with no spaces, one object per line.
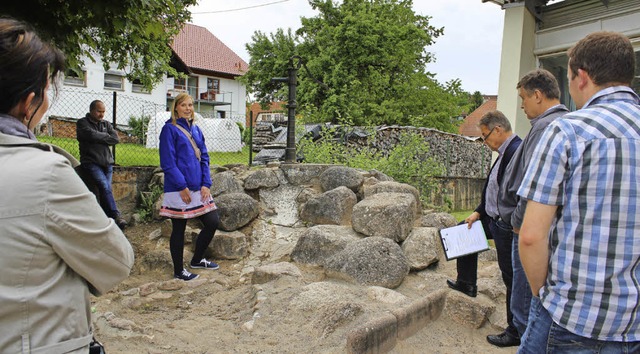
{"x":497,"y":135}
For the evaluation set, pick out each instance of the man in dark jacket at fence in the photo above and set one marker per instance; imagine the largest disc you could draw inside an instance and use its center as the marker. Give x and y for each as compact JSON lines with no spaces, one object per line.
{"x":95,"y":136}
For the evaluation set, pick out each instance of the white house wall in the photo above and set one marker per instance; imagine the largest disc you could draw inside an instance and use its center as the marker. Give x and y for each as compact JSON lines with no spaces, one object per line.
{"x":73,"y":101}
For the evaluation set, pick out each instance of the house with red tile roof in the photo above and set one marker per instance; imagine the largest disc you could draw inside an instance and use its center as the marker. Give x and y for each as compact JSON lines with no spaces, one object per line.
{"x":470,"y":125}
{"x":212,"y":69}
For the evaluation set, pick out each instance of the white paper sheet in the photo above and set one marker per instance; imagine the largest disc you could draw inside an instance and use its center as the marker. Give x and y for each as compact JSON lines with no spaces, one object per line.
{"x":460,"y":241}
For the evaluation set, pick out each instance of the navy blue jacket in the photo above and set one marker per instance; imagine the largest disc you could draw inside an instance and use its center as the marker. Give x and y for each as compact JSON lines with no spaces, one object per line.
{"x":178,"y":160}
{"x":508,"y":153}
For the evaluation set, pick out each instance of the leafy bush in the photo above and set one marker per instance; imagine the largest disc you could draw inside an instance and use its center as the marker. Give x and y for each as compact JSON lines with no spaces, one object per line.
{"x":138,"y":127}
{"x":245,"y":133}
{"x":148,"y":201}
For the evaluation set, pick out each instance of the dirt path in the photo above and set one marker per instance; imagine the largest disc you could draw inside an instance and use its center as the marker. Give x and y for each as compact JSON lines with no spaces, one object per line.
{"x":222,"y":312}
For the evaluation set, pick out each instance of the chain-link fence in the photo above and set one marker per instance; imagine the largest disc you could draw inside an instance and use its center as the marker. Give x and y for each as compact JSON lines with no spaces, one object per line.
{"x":138,"y":123}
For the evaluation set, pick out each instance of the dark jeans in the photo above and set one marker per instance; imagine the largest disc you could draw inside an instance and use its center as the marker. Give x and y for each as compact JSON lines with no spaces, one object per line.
{"x":102,"y":176}
{"x":210,"y":223}
{"x":521,"y":292}
{"x":467,"y":266}
{"x":543,"y":335}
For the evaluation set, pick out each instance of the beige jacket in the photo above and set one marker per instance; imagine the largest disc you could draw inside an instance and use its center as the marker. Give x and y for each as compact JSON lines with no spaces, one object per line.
{"x":56,"y":245}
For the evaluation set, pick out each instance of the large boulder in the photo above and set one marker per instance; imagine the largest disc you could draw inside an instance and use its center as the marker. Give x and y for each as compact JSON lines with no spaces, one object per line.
{"x":319,"y":243}
{"x":379,"y":175}
{"x":225,"y":182}
{"x":388,"y":215}
{"x":422,"y":247}
{"x":307,"y":173}
{"x":331,"y":207}
{"x":468,"y":311}
{"x":394,"y":187}
{"x":438,"y":220}
{"x":229,"y":245}
{"x":236,"y":210}
{"x":374,"y":261}
{"x":261,"y":178}
{"x":337,"y":176}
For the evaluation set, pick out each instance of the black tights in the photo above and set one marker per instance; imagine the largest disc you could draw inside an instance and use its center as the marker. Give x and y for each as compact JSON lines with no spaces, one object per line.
{"x":210,"y":223}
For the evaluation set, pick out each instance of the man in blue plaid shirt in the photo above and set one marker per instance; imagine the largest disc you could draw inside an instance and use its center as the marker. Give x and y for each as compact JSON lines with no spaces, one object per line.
{"x":580,"y":239}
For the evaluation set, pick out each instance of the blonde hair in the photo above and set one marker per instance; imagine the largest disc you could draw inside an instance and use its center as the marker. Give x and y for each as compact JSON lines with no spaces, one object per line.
{"x":179,"y":99}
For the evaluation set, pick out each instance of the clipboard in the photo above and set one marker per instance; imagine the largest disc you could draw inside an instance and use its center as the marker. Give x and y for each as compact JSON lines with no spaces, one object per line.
{"x":460,"y":241}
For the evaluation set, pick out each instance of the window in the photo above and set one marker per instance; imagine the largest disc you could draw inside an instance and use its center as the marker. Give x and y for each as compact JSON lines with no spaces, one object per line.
{"x":213,"y":85}
{"x":138,"y":87}
{"x":271,"y":117}
{"x":71,"y":78}
{"x":180,"y":84}
{"x":558,"y":65}
{"x":113,"y":81}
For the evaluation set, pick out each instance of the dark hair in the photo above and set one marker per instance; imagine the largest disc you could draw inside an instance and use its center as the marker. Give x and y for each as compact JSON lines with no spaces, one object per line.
{"x":26,"y":64}
{"x":492,"y":119}
{"x":93,"y":104}
{"x":541,"y":80}
{"x":607,"y":57}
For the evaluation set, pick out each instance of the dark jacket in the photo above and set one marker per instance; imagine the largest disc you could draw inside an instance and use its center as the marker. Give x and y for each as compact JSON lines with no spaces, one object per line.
{"x":510,"y":205}
{"x":508,"y":153}
{"x":178,"y":159}
{"x":95,"y":139}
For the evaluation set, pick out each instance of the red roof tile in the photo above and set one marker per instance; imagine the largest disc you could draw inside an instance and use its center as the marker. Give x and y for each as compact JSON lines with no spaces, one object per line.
{"x":199,"y":49}
{"x":470,"y":125}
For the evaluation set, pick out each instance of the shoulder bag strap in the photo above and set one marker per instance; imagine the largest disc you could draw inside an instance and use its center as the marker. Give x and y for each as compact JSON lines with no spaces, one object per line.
{"x":196,"y":150}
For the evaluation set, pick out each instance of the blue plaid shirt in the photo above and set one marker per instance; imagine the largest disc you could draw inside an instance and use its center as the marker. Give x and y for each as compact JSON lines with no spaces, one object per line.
{"x":588,"y":163}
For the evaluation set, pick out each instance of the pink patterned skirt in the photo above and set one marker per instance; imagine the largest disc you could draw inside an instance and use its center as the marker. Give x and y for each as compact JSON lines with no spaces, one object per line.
{"x":173,"y":206}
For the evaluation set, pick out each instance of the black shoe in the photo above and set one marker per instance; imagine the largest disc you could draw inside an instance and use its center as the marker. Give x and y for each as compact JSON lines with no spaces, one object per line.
{"x":503,"y":339}
{"x":121,"y":222}
{"x":465,"y":288}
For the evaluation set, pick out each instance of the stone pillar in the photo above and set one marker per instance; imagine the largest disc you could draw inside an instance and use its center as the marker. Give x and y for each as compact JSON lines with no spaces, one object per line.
{"x":518,"y":42}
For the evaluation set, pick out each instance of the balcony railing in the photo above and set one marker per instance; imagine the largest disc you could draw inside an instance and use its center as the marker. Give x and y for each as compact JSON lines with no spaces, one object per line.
{"x":201,"y":95}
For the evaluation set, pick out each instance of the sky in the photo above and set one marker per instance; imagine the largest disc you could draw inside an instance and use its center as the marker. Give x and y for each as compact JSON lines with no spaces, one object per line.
{"x":469,"y":50}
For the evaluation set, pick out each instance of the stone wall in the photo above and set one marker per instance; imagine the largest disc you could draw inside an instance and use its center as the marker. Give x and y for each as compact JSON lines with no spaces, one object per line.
{"x":461,"y":156}
{"x":128,"y":183}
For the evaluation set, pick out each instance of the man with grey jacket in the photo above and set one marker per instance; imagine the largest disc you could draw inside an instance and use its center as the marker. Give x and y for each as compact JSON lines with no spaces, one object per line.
{"x":540,"y":96}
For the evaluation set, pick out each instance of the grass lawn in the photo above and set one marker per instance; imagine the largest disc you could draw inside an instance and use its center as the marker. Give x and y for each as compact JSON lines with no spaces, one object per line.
{"x":138,"y":155}
{"x":461,"y":215}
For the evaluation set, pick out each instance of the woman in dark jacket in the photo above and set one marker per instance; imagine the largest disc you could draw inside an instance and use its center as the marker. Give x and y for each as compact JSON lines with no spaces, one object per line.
{"x":185,"y":162}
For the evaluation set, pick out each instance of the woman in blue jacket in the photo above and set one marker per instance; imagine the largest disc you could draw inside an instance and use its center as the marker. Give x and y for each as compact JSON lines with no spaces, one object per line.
{"x":185,"y":162}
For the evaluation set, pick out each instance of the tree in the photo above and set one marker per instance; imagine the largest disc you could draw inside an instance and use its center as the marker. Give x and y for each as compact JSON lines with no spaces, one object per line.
{"x":132,"y":34}
{"x":365,"y":62}
{"x":269,"y":58}
{"x":476,"y":100}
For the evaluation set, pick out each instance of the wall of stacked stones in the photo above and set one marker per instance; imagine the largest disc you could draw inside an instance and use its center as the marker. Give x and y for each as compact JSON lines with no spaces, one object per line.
{"x":461,"y":156}
{"x":466,"y":162}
